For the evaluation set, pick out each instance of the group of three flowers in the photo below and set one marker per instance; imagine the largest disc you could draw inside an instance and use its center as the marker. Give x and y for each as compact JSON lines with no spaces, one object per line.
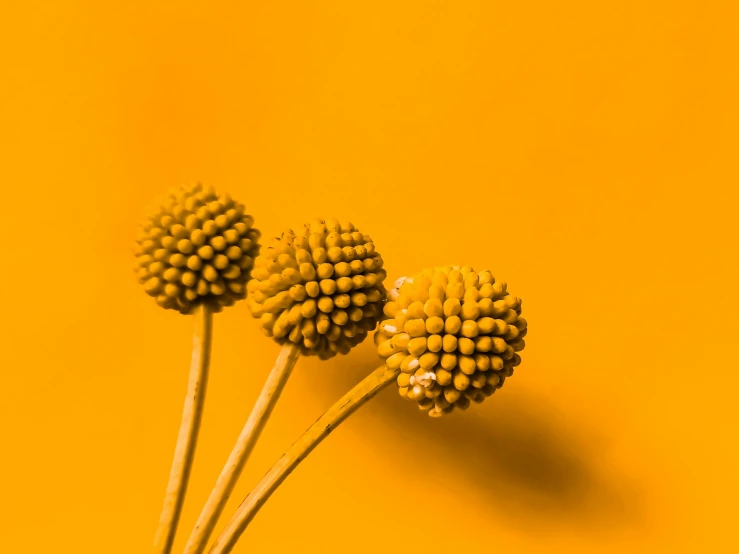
{"x":449,"y":335}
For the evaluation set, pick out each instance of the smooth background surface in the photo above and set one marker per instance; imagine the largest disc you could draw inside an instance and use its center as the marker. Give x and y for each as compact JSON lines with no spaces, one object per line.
{"x":585,"y":152}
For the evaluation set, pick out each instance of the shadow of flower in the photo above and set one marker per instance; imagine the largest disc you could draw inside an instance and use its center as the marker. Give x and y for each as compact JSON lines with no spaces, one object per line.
{"x":527,"y":460}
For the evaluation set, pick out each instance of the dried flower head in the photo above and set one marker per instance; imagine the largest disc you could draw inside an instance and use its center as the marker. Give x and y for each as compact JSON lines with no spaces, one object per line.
{"x":320,"y":287}
{"x":454,"y":333}
{"x":196,"y":246}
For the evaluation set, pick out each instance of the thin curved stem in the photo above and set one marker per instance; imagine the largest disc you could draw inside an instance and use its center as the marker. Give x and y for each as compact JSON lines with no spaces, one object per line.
{"x":189,"y":427}
{"x":242,"y":449}
{"x":347,"y":405}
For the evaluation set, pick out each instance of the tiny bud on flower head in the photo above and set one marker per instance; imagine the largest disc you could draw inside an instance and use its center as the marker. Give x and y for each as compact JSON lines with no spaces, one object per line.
{"x":320,"y":287}
{"x":194,"y":247}
{"x":454,"y":334}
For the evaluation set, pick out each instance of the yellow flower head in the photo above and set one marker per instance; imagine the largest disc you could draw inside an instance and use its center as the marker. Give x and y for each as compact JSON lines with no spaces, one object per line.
{"x":319,"y":287}
{"x":196,"y":246}
{"x":454,"y":333}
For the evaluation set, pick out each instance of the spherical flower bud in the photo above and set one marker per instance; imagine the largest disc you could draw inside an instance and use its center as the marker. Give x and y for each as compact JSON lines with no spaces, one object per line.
{"x":320,"y":287}
{"x":454,"y":334}
{"x":196,"y":246}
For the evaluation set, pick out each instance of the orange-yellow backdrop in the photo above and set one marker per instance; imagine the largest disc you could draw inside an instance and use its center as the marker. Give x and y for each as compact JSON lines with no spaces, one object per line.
{"x":583,"y":151}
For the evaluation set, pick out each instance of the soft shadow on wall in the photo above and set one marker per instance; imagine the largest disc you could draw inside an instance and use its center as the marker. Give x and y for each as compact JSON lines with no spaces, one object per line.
{"x":526,"y":461}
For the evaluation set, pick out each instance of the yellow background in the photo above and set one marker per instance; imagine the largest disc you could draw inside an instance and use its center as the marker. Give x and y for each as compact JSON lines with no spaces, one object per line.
{"x":585,"y":152}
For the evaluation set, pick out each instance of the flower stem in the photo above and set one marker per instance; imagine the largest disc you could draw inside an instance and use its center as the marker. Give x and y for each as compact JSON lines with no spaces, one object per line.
{"x":188,"y":435}
{"x":242,"y":449}
{"x":347,"y":405}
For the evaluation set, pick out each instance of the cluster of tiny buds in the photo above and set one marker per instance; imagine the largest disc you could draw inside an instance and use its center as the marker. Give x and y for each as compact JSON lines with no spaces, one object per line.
{"x":196,"y":246}
{"x":455,"y":335}
{"x":320,"y":287}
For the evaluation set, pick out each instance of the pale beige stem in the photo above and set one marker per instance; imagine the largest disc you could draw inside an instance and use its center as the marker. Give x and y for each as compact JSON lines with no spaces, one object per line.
{"x":189,"y":427}
{"x":244,"y":445}
{"x":347,"y":405}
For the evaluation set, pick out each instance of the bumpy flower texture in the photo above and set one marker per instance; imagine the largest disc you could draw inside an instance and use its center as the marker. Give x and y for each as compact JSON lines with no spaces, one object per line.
{"x":196,"y":246}
{"x":320,"y":287}
{"x":454,"y":334}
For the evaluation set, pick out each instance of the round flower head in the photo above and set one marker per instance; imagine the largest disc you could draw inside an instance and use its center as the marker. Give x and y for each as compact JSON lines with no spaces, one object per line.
{"x":454,"y":334}
{"x":196,"y":246}
{"x":319,"y":287}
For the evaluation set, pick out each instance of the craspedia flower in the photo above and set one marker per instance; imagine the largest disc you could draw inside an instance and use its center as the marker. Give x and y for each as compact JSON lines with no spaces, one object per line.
{"x":454,"y":333}
{"x":196,"y":246}
{"x":320,"y":287}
